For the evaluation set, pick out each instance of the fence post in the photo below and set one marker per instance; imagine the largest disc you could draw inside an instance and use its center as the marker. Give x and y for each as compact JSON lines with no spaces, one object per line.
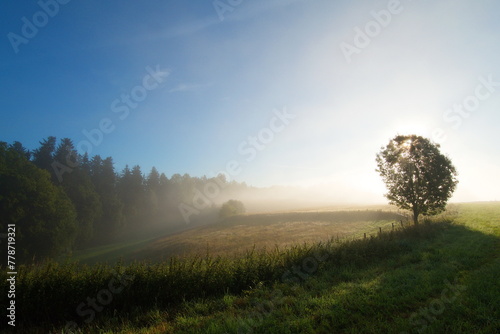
{"x":365,"y":235}
{"x":402,"y":223}
{"x":380,"y":230}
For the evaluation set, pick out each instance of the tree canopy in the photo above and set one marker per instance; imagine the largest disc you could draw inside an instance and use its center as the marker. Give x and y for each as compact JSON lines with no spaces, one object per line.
{"x":418,"y":176}
{"x":44,"y":216}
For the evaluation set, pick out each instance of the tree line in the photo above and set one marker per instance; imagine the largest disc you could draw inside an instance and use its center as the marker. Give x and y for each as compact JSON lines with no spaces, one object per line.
{"x":61,"y":200}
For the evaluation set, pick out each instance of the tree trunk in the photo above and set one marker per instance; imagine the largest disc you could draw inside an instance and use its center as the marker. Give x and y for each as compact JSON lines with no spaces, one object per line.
{"x":415,"y":215}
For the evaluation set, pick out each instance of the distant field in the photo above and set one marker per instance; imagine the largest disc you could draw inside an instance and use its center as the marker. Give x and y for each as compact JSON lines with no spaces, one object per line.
{"x":236,"y":235}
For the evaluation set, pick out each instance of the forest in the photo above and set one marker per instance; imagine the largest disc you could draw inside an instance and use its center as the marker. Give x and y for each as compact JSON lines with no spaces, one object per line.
{"x":61,"y":201}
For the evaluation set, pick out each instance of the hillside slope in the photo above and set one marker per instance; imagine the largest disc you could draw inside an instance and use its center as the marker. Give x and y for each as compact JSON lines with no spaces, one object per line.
{"x":445,"y":284}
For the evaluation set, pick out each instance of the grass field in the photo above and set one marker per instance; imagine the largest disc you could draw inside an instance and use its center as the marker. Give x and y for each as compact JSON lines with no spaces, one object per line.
{"x":238,"y":234}
{"x":438,"y":277}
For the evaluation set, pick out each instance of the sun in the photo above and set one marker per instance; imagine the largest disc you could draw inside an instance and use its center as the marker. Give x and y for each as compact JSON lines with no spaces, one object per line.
{"x":407,"y":143}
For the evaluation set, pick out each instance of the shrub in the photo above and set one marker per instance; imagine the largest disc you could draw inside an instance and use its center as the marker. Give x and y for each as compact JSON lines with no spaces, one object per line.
{"x":231,"y":208}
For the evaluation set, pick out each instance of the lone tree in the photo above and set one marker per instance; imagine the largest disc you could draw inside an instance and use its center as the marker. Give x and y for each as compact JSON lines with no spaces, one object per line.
{"x":418,"y":177}
{"x":231,"y":208}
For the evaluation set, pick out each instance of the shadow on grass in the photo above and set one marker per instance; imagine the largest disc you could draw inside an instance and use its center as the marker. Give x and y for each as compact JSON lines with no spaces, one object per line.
{"x":445,"y":284}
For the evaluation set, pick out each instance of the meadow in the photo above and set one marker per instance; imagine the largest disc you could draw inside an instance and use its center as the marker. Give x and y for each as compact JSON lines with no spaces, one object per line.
{"x":290,"y":272}
{"x":237,"y":235}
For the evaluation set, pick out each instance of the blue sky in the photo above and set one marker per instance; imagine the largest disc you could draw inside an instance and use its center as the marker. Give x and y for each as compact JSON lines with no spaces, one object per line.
{"x":225,"y":80}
